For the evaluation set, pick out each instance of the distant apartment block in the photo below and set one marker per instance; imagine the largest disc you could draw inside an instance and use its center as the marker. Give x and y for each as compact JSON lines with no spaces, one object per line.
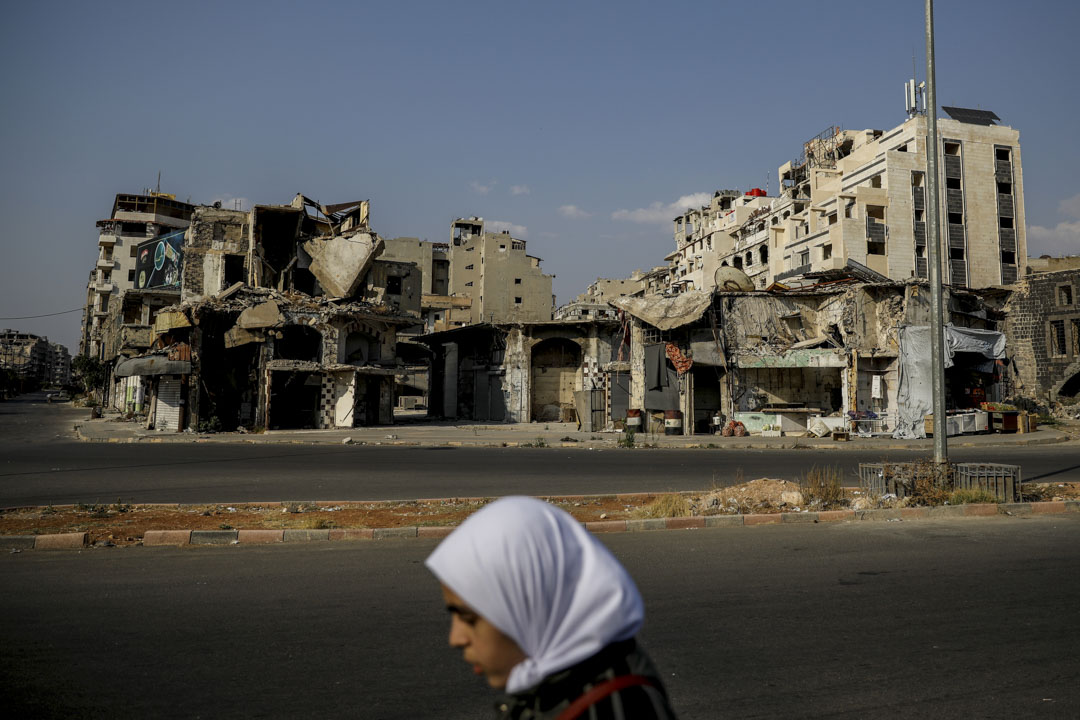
{"x":860,"y":198}
{"x":477,"y":277}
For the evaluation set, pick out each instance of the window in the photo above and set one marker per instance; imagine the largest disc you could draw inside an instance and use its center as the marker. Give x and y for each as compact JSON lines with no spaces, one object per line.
{"x":1064,"y":295}
{"x":134,"y":250}
{"x":804,"y":258}
{"x":1004,"y":188}
{"x":393,"y":285}
{"x":1008,"y":257}
{"x":952,"y":148}
{"x":1001,"y":154}
{"x":131,"y":276}
{"x":875,"y":182}
{"x":1057,"y":337}
{"x":517,"y":301}
{"x":832,"y":218}
{"x":469,"y":267}
{"x":826,"y":252}
{"x":953,"y":184}
{"x":517,"y":281}
{"x":468,"y":284}
{"x":1005,"y":223}
{"x":763,"y":254}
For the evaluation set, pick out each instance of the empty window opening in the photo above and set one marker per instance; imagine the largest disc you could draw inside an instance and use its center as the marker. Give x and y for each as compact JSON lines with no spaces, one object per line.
{"x":875,"y":247}
{"x":233,"y":271}
{"x":1002,"y":154}
{"x":953,"y":184}
{"x":362,"y":347}
{"x":832,"y":218}
{"x":1057,"y":336}
{"x":298,"y":342}
{"x":956,"y":253}
{"x":826,"y":251}
{"x":517,"y":281}
{"x":876,"y":211}
{"x":517,"y":301}
{"x":1008,"y":257}
{"x":393,"y":285}
{"x":875,"y":182}
{"x":1004,"y":188}
{"x":956,"y":218}
{"x":952,"y":148}
{"x":1005,"y":223}
{"x":737,"y":262}
{"x":749,"y":258}
{"x":1065,"y":295}
{"x":763,"y":254}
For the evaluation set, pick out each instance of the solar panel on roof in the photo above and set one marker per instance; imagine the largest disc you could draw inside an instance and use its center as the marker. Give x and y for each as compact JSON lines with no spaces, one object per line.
{"x":971,"y":116}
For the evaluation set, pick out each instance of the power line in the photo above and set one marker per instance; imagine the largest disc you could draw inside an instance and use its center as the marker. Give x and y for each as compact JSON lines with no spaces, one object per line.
{"x":32,"y":317}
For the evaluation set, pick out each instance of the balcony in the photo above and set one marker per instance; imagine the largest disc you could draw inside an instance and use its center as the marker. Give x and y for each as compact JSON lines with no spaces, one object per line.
{"x":105,"y":288}
{"x":106,"y":240}
{"x":135,"y":337}
{"x":104,"y":263}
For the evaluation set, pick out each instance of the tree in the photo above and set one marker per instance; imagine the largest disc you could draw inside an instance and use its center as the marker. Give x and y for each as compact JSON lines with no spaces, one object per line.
{"x":90,"y":371}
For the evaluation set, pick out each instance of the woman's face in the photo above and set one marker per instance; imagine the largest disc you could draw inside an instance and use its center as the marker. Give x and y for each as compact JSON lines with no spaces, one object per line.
{"x":484,"y":646}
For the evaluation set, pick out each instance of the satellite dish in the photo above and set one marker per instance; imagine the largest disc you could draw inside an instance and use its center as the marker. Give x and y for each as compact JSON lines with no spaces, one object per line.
{"x":731,"y":279}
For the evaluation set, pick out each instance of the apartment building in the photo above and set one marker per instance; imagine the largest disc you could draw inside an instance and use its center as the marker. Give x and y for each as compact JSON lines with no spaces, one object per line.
{"x":859,"y":198}
{"x":134,"y":220}
{"x":477,"y":277}
{"x":34,"y":360}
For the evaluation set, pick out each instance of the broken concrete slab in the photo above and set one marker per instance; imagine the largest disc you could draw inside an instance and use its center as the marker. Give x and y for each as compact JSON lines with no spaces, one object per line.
{"x":237,"y":336}
{"x":341,"y":262}
{"x":264,"y":315}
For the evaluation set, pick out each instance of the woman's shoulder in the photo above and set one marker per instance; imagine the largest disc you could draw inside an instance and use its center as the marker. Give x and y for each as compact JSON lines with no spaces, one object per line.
{"x":628,"y":679}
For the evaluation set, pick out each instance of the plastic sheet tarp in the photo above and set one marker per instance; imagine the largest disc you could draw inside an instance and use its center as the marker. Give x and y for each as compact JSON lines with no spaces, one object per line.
{"x":665,"y":313}
{"x":915,"y":388}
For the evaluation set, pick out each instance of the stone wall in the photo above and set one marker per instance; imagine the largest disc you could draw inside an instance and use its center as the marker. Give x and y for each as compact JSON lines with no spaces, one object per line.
{"x":1043,"y":335}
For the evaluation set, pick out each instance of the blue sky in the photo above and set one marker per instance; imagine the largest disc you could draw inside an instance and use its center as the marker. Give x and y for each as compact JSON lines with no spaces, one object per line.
{"x":579,"y":125}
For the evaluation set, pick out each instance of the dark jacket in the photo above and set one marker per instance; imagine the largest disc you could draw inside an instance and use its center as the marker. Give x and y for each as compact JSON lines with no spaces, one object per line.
{"x":557,"y":691}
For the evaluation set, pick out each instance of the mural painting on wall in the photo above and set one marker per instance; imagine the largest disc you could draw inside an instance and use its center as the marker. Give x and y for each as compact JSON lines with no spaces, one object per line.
{"x":157,"y":261}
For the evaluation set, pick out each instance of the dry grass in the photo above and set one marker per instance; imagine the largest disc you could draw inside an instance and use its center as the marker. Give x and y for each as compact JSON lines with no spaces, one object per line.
{"x":665,"y":506}
{"x":976,"y":495}
{"x":822,"y":487}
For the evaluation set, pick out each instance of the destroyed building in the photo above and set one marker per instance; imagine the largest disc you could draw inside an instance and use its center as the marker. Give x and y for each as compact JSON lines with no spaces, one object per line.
{"x":860,"y":196}
{"x":283,"y":317}
{"x":1043,"y":332}
{"x":134,"y":220}
{"x":34,"y":360}
{"x":478,"y":276}
{"x":554,"y":371}
{"x":784,"y":358}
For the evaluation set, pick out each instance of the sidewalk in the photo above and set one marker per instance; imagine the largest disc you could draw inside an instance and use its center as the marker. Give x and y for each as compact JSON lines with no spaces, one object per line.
{"x":418,"y":431}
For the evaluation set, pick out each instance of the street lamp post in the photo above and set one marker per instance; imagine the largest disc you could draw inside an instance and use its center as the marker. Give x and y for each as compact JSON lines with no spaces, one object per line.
{"x":933,"y":242}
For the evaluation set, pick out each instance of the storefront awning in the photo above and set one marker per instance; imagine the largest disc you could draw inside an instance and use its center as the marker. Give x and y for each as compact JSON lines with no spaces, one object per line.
{"x":156,"y":365}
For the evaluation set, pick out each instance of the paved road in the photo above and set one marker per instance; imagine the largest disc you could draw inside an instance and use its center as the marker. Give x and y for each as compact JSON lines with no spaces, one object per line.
{"x":967,"y":618}
{"x":42,"y":464}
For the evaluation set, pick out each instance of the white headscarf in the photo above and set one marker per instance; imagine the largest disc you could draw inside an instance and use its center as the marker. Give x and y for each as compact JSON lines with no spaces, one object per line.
{"x":537,"y":575}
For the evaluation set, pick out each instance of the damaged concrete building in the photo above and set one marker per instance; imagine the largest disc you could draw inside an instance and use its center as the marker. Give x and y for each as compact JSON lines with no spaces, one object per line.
{"x":286,"y":318}
{"x":554,"y":371}
{"x":781,"y":360}
{"x":858,"y":199}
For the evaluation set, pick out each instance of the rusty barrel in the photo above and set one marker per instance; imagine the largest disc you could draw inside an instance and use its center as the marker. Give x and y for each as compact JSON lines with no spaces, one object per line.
{"x":673,"y":422}
{"x":633,"y":420}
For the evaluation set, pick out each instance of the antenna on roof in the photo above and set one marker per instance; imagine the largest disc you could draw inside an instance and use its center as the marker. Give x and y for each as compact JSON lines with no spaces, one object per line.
{"x":158,"y":181}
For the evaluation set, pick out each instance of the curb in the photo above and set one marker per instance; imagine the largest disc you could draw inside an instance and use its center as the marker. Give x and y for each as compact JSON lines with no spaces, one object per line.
{"x":605,"y":444}
{"x":175,"y":538}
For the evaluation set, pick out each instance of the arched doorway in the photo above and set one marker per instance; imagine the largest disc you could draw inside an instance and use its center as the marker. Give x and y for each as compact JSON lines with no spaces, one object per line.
{"x":556,"y":366}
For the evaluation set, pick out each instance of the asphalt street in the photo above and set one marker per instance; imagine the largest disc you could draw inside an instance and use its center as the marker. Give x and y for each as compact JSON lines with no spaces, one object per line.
{"x":43,"y":464}
{"x":965,"y":618}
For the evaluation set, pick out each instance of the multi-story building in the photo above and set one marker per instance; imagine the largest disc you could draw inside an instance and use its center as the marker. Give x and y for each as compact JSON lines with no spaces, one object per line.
{"x":134,"y":220}
{"x":477,"y":277}
{"x":594,"y":303}
{"x":504,"y":282}
{"x":35,"y":360}
{"x":859,"y":198}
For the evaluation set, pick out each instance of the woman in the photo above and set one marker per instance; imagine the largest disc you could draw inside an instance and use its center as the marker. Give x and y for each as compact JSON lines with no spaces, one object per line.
{"x":543,"y":610}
